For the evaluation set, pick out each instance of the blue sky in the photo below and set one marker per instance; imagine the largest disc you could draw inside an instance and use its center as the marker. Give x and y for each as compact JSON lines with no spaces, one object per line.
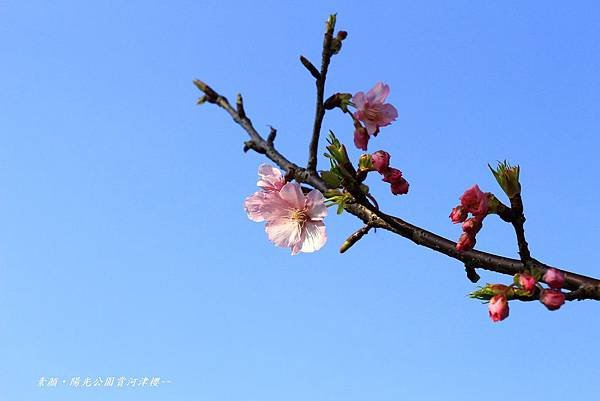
{"x":125,"y":251}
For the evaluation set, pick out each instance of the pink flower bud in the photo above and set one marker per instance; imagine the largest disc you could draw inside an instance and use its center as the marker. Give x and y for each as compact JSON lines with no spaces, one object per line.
{"x":466,"y":242}
{"x":380,"y":160}
{"x":392,"y":175}
{"x":552,"y":299}
{"x":498,"y":308}
{"x":554,"y":278}
{"x":472,"y":226}
{"x":400,"y":187}
{"x":475,"y":201}
{"x":458,"y":215}
{"x":527,"y":281}
{"x":361,"y":138}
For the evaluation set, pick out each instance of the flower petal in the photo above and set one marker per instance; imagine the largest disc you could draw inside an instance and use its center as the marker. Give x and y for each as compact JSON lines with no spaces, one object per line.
{"x":313,"y":236}
{"x":315,"y":203}
{"x":283,"y":232}
{"x":254,"y":205}
{"x":359,"y":100}
{"x":269,"y":178}
{"x":388,"y":114}
{"x":378,"y":93}
{"x":292,"y":193}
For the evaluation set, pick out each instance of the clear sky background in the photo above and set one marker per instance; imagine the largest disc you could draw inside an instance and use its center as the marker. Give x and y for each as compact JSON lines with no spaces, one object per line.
{"x":125,"y":250}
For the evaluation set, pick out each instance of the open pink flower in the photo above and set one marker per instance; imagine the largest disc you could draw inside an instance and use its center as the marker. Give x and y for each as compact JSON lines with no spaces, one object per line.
{"x":498,"y":308}
{"x":372,"y":110}
{"x":475,"y":201}
{"x":295,"y":220}
{"x":270,"y":180}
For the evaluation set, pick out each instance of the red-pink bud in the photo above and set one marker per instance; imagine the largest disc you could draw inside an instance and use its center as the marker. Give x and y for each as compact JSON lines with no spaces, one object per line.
{"x":380,"y":160}
{"x":361,"y":138}
{"x":400,"y":187}
{"x":527,"y":281}
{"x":472,"y":226}
{"x":466,"y":242}
{"x":554,"y":278}
{"x":552,"y":299}
{"x":458,"y":215}
{"x":475,"y":201}
{"x":498,"y":308}
{"x":392,"y":175}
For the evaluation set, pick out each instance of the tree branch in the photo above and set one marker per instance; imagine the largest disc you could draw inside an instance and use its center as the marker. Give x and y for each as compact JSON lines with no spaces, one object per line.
{"x":582,"y":287}
{"x":518,"y":221}
{"x":320,"y":82}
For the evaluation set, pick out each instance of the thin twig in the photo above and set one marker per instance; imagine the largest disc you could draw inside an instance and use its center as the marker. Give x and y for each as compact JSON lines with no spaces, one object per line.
{"x":320,"y":82}
{"x":518,"y":221}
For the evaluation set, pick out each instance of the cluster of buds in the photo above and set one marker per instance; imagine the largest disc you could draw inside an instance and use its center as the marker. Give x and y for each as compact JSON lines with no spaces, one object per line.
{"x":553,"y":298}
{"x":475,"y":202}
{"x":380,"y":162}
{"x":526,"y":285}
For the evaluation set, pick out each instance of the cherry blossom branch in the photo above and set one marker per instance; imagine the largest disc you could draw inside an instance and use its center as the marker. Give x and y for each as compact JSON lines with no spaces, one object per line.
{"x":581,"y":287}
{"x":320,"y":77}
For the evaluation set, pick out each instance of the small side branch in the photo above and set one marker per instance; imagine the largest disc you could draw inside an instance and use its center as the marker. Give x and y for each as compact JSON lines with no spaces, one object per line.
{"x":471,"y":273}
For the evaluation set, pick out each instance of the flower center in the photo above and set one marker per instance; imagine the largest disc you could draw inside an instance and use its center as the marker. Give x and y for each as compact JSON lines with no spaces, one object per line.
{"x":371,"y":114}
{"x":299,"y":216}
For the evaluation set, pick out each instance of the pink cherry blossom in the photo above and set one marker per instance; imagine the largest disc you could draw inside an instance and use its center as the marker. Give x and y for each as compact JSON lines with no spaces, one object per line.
{"x":527,"y":281}
{"x":554,"y":278}
{"x":552,"y":299}
{"x":498,"y":308}
{"x":372,"y":110}
{"x":475,"y":201}
{"x":458,"y":215}
{"x":295,"y":220}
{"x":270,"y":180}
{"x":380,"y":160}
